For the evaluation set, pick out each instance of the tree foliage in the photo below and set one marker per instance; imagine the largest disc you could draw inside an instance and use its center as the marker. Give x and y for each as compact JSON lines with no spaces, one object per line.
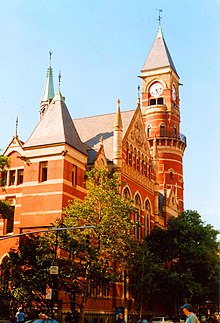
{"x":96,"y":251}
{"x":4,"y":162}
{"x":6,"y":210}
{"x":189,"y":250}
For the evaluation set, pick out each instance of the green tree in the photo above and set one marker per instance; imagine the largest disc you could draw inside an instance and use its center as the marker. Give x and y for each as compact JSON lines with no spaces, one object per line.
{"x":101,"y":252}
{"x":25,"y":273}
{"x":4,"y":162}
{"x":189,"y":250}
{"x":143,"y":277}
{"x":95,"y":252}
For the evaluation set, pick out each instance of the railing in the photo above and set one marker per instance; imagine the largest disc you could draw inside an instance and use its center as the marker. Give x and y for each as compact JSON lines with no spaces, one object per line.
{"x":167,"y":134}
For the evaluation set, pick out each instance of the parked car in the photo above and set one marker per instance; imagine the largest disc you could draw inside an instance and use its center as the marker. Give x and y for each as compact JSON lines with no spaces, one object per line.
{"x":161,"y":319}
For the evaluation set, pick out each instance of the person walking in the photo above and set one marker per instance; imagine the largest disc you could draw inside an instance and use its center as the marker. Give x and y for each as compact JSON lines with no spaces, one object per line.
{"x":188,"y":311}
{"x":120,"y":318}
{"x":20,"y":316}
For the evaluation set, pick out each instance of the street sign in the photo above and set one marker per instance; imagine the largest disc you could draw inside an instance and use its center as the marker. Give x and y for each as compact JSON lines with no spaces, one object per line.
{"x":54,"y":270}
{"x":49,"y":293}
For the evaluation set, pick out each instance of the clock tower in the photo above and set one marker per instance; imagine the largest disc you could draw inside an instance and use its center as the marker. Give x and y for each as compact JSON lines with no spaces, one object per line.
{"x":161,"y":115}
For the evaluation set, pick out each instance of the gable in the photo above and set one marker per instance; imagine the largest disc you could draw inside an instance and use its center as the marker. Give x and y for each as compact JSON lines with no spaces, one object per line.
{"x":136,"y":134}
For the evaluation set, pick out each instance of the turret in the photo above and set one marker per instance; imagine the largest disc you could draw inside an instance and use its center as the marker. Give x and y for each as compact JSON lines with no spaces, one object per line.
{"x":161,"y":114}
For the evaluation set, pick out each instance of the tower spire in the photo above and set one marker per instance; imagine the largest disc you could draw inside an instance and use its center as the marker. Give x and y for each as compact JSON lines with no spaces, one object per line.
{"x":16,"y":127}
{"x":159,"y":30}
{"x":48,"y":89}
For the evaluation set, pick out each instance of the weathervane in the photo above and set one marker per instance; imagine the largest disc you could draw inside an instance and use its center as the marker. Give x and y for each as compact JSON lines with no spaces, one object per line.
{"x":16,"y":127}
{"x":59,"y":80}
{"x":159,"y":16}
{"x":138,"y":91}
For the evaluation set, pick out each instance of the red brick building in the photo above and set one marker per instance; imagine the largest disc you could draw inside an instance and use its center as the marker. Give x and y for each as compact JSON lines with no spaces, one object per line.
{"x":144,"y":144}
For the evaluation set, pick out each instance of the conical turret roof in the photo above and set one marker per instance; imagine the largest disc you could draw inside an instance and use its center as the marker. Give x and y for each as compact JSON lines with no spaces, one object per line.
{"x":159,"y":55}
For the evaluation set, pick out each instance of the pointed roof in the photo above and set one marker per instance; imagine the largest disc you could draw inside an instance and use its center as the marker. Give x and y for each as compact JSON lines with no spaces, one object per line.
{"x":118,"y":120}
{"x":56,"y":127}
{"x":49,"y":88}
{"x":159,"y":55}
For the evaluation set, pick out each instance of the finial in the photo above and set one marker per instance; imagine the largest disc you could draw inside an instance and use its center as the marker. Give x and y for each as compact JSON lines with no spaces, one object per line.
{"x":59,"y":80}
{"x":138,"y":90}
{"x":118,"y":103}
{"x":101,"y":140}
{"x":159,"y":16}
{"x":16,"y":127}
{"x":138,"y":98}
{"x":159,"y":31}
{"x":50,"y":54}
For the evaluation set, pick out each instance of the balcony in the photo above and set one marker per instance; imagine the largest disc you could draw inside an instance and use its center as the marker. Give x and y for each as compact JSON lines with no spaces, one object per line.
{"x":169,"y":135}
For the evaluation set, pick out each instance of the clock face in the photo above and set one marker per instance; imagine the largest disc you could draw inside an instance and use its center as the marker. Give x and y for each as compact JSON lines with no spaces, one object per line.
{"x":156,"y":89}
{"x":173,"y":93}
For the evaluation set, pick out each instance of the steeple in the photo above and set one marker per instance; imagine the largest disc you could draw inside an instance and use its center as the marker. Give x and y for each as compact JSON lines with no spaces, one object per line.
{"x":56,"y":127}
{"x":48,"y":89}
{"x":159,"y":55}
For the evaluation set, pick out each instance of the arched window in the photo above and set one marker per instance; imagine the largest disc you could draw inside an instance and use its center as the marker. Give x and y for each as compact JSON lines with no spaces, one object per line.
{"x":148,"y":131}
{"x":130,"y":156}
{"x":171,"y":175}
{"x":162,"y":130}
{"x":147,"y":217}
{"x":135,"y":159}
{"x":126,"y":193}
{"x":174,"y":132}
{"x":137,"y":216}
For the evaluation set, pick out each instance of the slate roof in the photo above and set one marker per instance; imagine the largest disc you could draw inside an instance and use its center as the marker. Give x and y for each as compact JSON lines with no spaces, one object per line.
{"x":91,"y":129}
{"x":159,"y":55}
{"x":56,"y":127}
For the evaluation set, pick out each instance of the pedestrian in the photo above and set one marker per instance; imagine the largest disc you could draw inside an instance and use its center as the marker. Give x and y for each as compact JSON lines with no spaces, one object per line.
{"x":188,"y":311}
{"x":20,"y":316}
{"x":120,"y":318}
{"x":68,"y":318}
{"x":142,"y":321}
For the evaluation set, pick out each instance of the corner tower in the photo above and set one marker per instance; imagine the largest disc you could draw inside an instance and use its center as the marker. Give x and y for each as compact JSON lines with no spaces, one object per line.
{"x":161,"y":115}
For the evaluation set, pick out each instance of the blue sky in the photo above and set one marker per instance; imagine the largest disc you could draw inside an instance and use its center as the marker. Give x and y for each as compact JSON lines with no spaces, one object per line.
{"x":100,"y":46}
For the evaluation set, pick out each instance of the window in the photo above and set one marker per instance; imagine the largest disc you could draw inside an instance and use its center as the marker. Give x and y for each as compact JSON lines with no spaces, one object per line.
{"x":4,"y":176}
{"x":162,"y":130}
{"x":137,"y":217}
{"x":9,"y":223}
{"x":148,"y":131}
{"x":129,"y":158}
{"x":74,"y":173}
{"x":12,"y":177}
{"x":174,"y":132}
{"x":171,"y":175}
{"x":147,"y":217}
{"x":153,"y":102}
{"x":160,"y":101}
{"x":43,"y":171}
{"x":20,"y":176}
{"x":100,"y":290}
{"x":126,"y":193}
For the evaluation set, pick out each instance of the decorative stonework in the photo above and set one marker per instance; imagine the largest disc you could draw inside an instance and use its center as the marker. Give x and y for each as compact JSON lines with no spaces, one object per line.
{"x":137,"y":133}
